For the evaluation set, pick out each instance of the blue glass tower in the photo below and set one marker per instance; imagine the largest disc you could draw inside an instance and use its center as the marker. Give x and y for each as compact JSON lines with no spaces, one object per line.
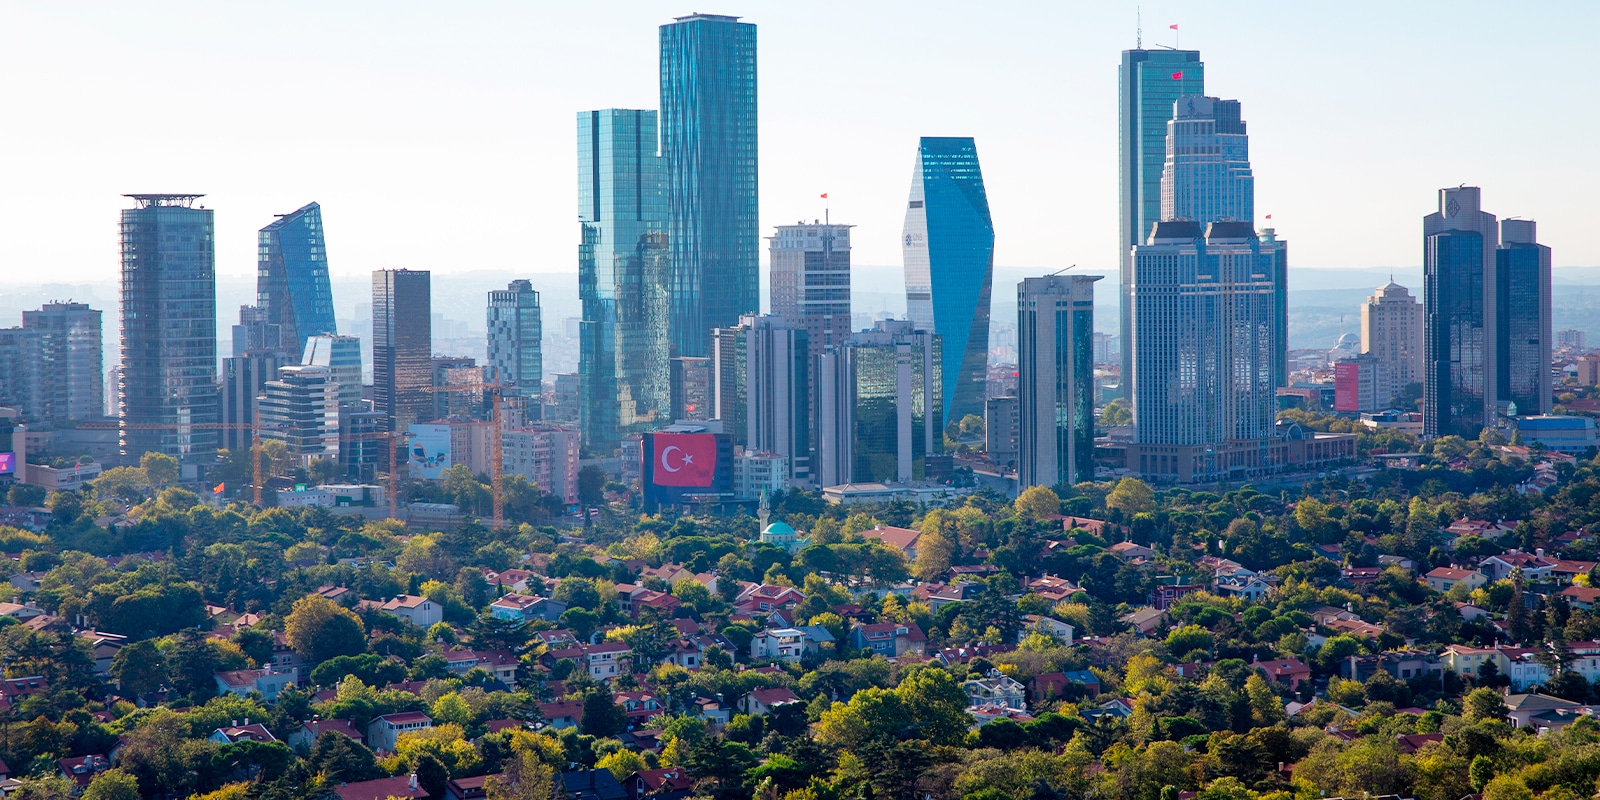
{"x":1459,"y":300}
{"x":292,"y":278}
{"x":1148,"y":83}
{"x":948,"y":246}
{"x":1524,"y":328}
{"x":623,"y":364}
{"x":708,"y":138}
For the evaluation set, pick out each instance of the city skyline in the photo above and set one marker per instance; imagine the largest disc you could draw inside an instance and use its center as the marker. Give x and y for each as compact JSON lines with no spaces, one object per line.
{"x":1305,"y":188}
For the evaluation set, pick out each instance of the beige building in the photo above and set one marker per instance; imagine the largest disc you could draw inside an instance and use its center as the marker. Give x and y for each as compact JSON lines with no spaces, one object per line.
{"x":1391,"y":329}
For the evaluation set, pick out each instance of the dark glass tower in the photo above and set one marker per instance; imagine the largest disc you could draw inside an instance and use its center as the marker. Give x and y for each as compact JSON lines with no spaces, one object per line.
{"x":402,"y":346}
{"x":1148,"y":83}
{"x":948,"y":247}
{"x":708,"y":138}
{"x":1523,"y":331}
{"x":623,"y":360}
{"x":1458,"y":316}
{"x":168,"y":391}
{"x":292,"y":279}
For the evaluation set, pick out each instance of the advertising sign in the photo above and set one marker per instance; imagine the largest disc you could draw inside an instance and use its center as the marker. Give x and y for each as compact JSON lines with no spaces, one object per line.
{"x":429,"y":451}
{"x":1346,"y":386}
{"x":8,"y":463}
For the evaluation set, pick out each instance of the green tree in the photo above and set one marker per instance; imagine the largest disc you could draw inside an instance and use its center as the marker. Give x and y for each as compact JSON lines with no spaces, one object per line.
{"x":1037,"y":502}
{"x":591,"y":486}
{"x":1480,"y":772}
{"x":319,"y":629}
{"x":1186,"y":639}
{"x":341,"y":759}
{"x":139,"y":668}
{"x":622,"y":763}
{"x":160,"y":469}
{"x":1131,"y":496}
{"x":113,"y":784}
{"x":1483,"y":703}
{"x":601,"y":714}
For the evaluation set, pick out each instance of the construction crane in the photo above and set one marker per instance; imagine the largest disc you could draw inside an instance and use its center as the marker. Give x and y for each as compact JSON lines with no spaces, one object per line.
{"x":496,"y":445}
{"x":253,"y":427}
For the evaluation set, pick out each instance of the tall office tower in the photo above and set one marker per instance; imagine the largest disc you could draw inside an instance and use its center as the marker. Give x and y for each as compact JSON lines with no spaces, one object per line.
{"x":1458,"y":315}
{"x":810,"y":281}
{"x":1055,"y":380}
{"x":1391,"y":330}
{"x":759,"y":374}
{"x":1148,"y":83}
{"x":21,"y":365}
{"x":1206,"y":176}
{"x":691,"y":388}
{"x":949,"y":261}
{"x":244,"y":379}
{"x":877,"y":400}
{"x":169,"y":328}
{"x":71,"y":361}
{"x":1524,"y":324}
{"x":1203,"y":344}
{"x":623,"y":271}
{"x":402,"y":346}
{"x":515,"y":335}
{"x":708,"y":138}
{"x":342,"y":357}
{"x":292,"y":285}
{"x":301,"y":409}
{"x":465,"y":400}
{"x":1000,"y":430}
{"x":1280,"y":303}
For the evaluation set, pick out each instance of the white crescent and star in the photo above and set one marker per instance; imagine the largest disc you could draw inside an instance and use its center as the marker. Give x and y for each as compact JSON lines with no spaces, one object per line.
{"x":687,"y":459}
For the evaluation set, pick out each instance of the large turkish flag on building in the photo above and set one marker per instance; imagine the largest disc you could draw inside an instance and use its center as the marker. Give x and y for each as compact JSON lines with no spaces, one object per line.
{"x":683,"y":459}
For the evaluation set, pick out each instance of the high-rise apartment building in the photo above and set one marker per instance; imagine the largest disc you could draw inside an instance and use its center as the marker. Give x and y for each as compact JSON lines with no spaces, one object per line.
{"x":169,"y":328}
{"x":759,"y":372}
{"x":1458,"y":316}
{"x":1524,"y":323}
{"x":1001,"y":430}
{"x":810,"y":281}
{"x":878,"y":396}
{"x":516,"y":357}
{"x":301,"y":409}
{"x":948,"y":247}
{"x":708,"y":139}
{"x":292,"y":286}
{"x":623,"y":272}
{"x":1149,"y":82}
{"x":70,"y":362}
{"x":691,"y":389}
{"x":21,"y":368}
{"x":402,"y":346}
{"x":1203,"y":344}
{"x":1391,"y":330}
{"x":341,"y":355}
{"x":547,"y":456}
{"x":1055,"y":380}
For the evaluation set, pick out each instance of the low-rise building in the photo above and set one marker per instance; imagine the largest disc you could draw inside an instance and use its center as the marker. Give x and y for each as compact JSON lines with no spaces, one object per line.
{"x":996,"y":688}
{"x":419,"y":611}
{"x":889,"y":639}
{"x":383,"y":732}
{"x":242,"y":682}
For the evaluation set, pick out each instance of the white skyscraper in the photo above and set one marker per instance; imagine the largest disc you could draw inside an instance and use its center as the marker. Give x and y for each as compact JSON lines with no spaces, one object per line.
{"x":1391,"y":330}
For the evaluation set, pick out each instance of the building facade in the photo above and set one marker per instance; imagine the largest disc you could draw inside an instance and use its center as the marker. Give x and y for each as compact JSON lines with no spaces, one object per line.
{"x":1458,"y":316}
{"x":1203,"y":345}
{"x":1001,"y":429}
{"x":292,"y":284}
{"x":1391,"y":330}
{"x":341,"y":356}
{"x":623,"y":273}
{"x":1524,"y":325}
{"x":1148,"y":83}
{"x":878,"y":397}
{"x":691,"y":388}
{"x":1055,"y":380}
{"x":1206,"y":176}
{"x":71,"y":362}
{"x":810,"y":283}
{"x":948,"y":251}
{"x":516,"y":356}
{"x":301,"y":409}
{"x":168,"y":393}
{"x":760,"y":374}
{"x":402,"y":346}
{"x":547,"y":456}
{"x":244,"y":379}
{"x":708,"y":139}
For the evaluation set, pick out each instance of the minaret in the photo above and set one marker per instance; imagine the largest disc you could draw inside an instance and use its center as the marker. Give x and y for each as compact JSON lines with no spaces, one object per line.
{"x":764,"y":511}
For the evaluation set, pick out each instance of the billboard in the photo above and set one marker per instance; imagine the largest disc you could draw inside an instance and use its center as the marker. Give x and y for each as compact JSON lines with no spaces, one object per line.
{"x":429,"y":451}
{"x":8,"y":463}
{"x":1347,"y":386}
{"x":677,"y":465}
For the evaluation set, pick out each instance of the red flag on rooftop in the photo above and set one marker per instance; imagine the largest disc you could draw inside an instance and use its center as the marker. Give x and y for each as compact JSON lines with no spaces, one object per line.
{"x":218,"y":488}
{"x":1174,"y":27}
{"x":1177,"y":76}
{"x":824,"y":195}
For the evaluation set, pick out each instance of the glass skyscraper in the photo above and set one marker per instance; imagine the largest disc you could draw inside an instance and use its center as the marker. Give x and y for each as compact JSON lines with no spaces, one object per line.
{"x":1458,"y":316}
{"x":948,"y":247}
{"x":1206,"y":176}
{"x":402,"y":346}
{"x":1148,"y":83}
{"x":168,"y":393}
{"x":1524,"y":328}
{"x":515,"y":339}
{"x":1055,"y":380}
{"x":708,"y":138}
{"x":623,"y":270}
{"x":878,"y":396}
{"x":292,"y":285}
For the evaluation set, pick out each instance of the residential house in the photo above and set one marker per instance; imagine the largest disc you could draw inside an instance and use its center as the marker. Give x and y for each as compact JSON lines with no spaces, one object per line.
{"x":83,"y":769}
{"x":306,"y":735}
{"x":604,"y":661}
{"x":474,"y":788}
{"x":1053,"y":588}
{"x":1129,"y":551}
{"x":1170,"y":589}
{"x":563,"y":714}
{"x":500,"y":664}
{"x":667,"y":783}
{"x":244,"y":681}
{"x":591,"y":784}
{"x":996,"y":688}
{"x":763,"y":598}
{"x":21,"y":612}
{"x":1442,"y":579}
{"x":383,"y":732}
{"x":1062,"y":631}
{"x":1290,"y":672}
{"x":1534,"y":565}
{"x":902,"y":539}
{"x":889,"y":639}
{"x":761,"y":702}
{"x":512,"y":580}
{"x":526,"y":608}
{"x":1402,"y":664}
{"x":639,"y":706}
{"x":400,"y":786}
{"x":1145,"y":621}
{"x":1581,"y":597}
{"x":782,"y":644}
{"x":248,"y":732}
{"x":1522,"y":708}
{"x":419,"y":611}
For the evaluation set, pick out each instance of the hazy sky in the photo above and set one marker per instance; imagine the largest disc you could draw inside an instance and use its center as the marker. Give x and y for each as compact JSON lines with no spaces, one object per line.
{"x":441,"y":135}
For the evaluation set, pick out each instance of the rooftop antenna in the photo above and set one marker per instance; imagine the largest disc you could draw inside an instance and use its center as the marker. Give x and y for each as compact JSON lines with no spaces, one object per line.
{"x":1059,"y":271}
{"x":1138,"y":28}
